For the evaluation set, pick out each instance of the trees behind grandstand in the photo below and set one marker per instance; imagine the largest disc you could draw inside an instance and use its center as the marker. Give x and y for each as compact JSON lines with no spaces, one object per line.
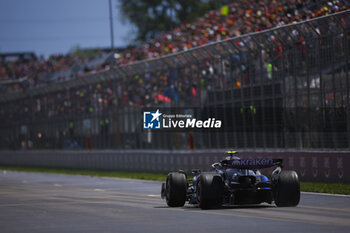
{"x":154,"y":16}
{"x":77,"y":51}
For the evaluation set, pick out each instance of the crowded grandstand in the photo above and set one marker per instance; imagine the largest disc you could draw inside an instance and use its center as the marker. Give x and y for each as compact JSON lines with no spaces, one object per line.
{"x":248,"y":55}
{"x":239,"y":18}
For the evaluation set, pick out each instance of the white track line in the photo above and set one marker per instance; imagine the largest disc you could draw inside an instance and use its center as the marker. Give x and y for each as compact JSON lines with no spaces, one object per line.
{"x":99,"y":190}
{"x":153,"y":195}
{"x":326,"y":194}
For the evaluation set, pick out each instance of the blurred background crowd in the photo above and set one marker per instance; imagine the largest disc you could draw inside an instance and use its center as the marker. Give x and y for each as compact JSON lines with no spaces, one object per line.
{"x":19,"y":72}
{"x":98,"y":94}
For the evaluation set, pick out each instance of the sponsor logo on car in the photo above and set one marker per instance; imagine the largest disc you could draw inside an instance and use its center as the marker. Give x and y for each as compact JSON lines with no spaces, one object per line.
{"x":251,"y":162}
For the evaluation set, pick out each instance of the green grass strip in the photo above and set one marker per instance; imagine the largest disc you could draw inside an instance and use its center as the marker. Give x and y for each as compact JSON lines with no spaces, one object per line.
{"x":126,"y":175}
{"x":335,"y":188}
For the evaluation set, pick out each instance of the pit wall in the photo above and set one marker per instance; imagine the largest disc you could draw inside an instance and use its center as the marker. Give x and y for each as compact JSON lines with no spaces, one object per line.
{"x":311,"y":166}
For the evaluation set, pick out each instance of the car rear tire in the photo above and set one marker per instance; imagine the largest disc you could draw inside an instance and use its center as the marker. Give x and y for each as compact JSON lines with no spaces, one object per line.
{"x":176,"y":188}
{"x":287,"y":189}
{"x":210,"y":190}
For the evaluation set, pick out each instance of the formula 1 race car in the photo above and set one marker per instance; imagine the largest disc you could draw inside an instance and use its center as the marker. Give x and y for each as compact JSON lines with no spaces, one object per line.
{"x":234,"y":181}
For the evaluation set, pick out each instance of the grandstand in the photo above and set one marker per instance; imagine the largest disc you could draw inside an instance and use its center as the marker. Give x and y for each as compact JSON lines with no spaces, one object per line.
{"x":279,"y":72}
{"x":241,"y":17}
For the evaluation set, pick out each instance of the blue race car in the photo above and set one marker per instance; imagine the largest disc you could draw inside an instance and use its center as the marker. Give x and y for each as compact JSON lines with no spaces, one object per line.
{"x":234,"y":181}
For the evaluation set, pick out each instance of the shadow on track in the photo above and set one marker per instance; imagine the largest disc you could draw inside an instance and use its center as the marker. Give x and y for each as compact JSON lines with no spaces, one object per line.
{"x":194,"y":207}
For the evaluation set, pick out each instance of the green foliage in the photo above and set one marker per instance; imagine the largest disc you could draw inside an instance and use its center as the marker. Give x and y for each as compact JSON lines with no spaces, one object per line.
{"x":76,"y":51}
{"x":153,"y":16}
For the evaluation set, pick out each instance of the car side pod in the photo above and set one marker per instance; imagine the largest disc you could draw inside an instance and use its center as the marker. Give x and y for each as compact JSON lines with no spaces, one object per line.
{"x":287,"y":189}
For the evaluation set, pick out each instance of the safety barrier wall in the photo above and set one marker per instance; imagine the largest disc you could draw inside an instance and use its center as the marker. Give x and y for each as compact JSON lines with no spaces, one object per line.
{"x":311,"y":166}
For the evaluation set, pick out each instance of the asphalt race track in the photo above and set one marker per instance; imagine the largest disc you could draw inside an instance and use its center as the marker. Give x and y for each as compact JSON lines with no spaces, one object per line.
{"x":34,"y":202}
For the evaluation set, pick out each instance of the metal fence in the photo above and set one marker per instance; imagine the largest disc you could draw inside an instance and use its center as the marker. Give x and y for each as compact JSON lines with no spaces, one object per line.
{"x":286,"y":87}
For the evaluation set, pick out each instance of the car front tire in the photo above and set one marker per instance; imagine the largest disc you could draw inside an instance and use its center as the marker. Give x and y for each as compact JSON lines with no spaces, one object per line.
{"x":176,"y":188}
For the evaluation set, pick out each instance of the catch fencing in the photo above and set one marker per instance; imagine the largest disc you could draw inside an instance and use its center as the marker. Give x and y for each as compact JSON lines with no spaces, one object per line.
{"x":286,"y":87}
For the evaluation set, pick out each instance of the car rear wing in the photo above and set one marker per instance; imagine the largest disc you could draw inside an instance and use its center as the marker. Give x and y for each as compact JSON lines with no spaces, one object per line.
{"x":251,"y":163}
